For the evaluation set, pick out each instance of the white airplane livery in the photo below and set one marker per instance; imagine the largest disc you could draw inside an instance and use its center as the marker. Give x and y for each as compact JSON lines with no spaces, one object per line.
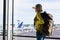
{"x":24,"y":28}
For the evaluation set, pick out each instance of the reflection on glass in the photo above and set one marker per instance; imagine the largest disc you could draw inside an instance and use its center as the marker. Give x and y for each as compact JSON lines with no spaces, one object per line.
{"x":24,"y":15}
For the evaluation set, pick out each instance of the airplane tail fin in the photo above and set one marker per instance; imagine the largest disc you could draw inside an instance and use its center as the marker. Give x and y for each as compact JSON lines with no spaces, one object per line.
{"x":20,"y":25}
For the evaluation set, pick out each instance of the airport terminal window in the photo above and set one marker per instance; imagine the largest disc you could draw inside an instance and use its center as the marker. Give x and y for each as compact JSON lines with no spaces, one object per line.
{"x":1,"y":19}
{"x":24,"y":15}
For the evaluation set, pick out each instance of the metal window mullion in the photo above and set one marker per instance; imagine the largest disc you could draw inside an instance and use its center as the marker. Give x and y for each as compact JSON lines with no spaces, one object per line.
{"x":7,"y":18}
{"x":12,"y":17}
{"x":4,"y":18}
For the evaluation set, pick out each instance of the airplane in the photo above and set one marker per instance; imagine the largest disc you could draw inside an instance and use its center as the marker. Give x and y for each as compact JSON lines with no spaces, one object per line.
{"x":24,"y":28}
{"x":20,"y":24}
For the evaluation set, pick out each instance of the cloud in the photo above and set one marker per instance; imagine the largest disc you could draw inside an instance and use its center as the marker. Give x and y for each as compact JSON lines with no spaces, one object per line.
{"x":51,"y":5}
{"x":24,"y":7}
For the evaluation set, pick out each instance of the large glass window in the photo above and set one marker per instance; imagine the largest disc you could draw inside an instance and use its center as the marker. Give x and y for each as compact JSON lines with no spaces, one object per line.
{"x":24,"y":15}
{"x":1,"y":19}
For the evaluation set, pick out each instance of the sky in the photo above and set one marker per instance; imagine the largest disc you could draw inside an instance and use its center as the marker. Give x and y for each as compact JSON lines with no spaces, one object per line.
{"x":1,"y":12}
{"x":23,"y":10}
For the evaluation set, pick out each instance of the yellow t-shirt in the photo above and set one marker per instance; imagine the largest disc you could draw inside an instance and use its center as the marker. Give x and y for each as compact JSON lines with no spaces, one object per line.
{"x":39,"y":21}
